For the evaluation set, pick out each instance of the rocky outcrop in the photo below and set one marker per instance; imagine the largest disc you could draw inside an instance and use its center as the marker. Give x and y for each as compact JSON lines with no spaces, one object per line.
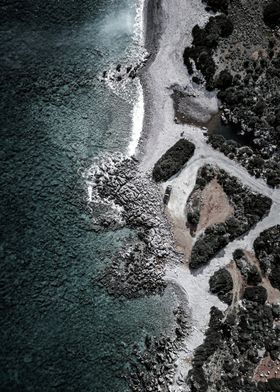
{"x":134,"y":201}
{"x":173,"y":160}
{"x":152,"y":369}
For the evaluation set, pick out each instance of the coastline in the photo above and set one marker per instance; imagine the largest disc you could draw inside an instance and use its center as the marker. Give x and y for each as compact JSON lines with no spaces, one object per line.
{"x":173,"y":253}
{"x":164,"y":70}
{"x":157,"y":97}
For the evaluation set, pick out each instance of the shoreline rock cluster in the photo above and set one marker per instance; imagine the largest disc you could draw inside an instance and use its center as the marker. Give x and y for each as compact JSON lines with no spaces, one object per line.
{"x":125,"y":71}
{"x":138,"y":269}
{"x":241,"y":350}
{"x":249,"y":208}
{"x":153,"y":369}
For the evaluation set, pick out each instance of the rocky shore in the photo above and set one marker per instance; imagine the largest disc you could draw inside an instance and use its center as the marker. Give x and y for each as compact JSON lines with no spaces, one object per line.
{"x":153,"y":369}
{"x":191,"y":198}
{"x":135,"y":202}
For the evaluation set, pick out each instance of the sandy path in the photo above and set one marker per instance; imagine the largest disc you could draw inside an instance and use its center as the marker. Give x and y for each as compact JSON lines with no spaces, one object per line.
{"x":177,"y":20}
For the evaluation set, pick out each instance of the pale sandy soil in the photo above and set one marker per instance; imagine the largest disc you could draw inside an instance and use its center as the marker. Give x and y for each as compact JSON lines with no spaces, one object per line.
{"x":182,"y":237}
{"x":267,"y":369}
{"x":215,"y":206}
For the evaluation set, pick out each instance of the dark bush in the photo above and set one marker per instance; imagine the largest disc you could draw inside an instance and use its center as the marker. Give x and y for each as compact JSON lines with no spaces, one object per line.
{"x":224,"y":80}
{"x":218,"y":5}
{"x":208,"y":244}
{"x":256,"y":294}
{"x":221,"y":283}
{"x":173,"y":160}
{"x":271,"y":14}
{"x":238,"y":254}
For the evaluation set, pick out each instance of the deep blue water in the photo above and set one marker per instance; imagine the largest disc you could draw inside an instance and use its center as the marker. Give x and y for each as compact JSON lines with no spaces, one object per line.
{"x":59,"y":330}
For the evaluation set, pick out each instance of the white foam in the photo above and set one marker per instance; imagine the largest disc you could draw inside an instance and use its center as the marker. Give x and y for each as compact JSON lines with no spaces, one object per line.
{"x":137,"y":121}
{"x":138,"y":110}
{"x":139,"y":37}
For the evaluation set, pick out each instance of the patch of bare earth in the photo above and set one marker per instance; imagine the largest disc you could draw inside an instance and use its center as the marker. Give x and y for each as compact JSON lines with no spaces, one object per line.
{"x":182,"y":237}
{"x":267,"y":369}
{"x":238,"y":282}
{"x":215,"y":206}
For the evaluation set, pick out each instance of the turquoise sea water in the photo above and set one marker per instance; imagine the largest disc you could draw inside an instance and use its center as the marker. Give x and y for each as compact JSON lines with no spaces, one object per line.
{"x":59,"y":330}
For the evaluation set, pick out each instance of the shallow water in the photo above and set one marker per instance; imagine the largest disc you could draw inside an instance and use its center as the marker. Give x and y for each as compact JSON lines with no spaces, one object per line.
{"x":59,"y":329}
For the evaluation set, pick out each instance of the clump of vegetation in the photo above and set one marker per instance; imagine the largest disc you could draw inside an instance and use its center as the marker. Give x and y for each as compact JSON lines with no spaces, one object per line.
{"x":173,"y":160}
{"x":205,"y":41}
{"x":267,"y":249}
{"x":271,"y":14}
{"x":221,"y":283}
{"x":249,"y":208}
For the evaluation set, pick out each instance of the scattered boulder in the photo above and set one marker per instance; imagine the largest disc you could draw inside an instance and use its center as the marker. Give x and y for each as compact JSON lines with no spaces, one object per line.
{"x":167,"y":194}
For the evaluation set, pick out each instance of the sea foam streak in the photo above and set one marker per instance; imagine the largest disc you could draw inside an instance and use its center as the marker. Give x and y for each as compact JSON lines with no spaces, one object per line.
{"x":138,"y":110}
{"x":137,"y":121}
